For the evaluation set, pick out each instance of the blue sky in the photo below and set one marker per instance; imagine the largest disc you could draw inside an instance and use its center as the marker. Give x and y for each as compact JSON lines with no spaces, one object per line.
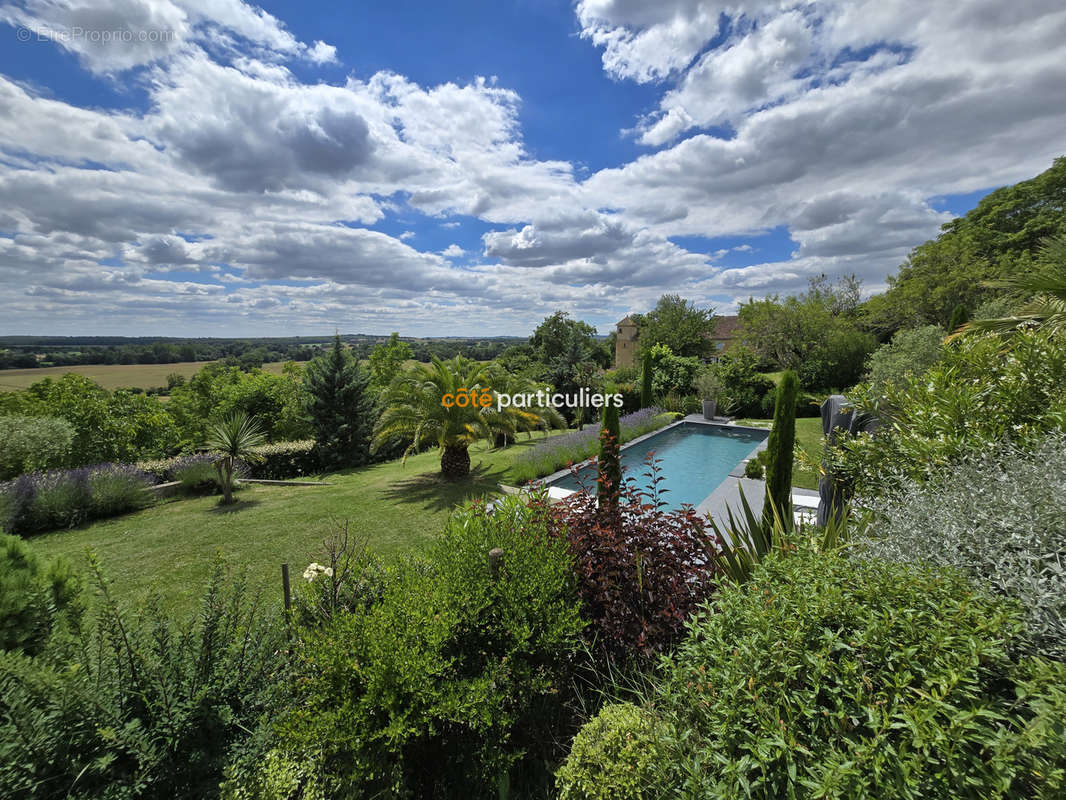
{"x":185,"y":167}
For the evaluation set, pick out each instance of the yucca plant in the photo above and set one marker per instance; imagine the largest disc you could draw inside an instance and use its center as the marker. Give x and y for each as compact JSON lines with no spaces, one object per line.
{"x":231,"y":440}
{"x":1045,"y":285}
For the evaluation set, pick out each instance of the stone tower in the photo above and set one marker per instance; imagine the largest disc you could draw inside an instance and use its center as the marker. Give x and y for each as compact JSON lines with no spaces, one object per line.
{"x":625,"y":344}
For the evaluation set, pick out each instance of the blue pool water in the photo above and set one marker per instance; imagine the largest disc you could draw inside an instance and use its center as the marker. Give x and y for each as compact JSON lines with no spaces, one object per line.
{"x":693,"y":460}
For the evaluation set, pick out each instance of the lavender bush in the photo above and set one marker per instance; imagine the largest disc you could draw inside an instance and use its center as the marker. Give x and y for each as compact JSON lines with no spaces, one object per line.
{"x":40,"y":501}
{"x":553,"y":454}
{"x":999,"y":518}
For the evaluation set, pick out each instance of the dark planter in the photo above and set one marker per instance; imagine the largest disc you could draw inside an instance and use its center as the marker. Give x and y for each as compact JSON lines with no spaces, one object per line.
{"x":709,"y":408}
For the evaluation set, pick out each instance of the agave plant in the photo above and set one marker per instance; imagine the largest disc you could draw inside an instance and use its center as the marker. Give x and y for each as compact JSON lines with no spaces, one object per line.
{"x":1046,"y":285}
{"x":231,"y":440}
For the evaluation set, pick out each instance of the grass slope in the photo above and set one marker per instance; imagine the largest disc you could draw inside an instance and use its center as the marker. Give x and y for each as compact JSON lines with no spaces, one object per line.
{"x":808,"y":439}
{"x":171,"y":547}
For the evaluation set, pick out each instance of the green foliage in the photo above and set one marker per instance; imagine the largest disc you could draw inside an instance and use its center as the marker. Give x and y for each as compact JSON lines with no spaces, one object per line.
{"x":556,"y":336}
{"x":33,"y":443}
{"x":614,"y":756}
{"x":609,"y":462}
{"x":780,"y":446}
{"x":708,"y":384}
{"x":386,"y":361}
{"x":960,"y":315}
{"x":339,"y":403}
{"x":743,"y":385}
{"x":996,"y":240}
{"x":440,"y":688}
{"x":139,"y":706}
{"x":1044,"y":285}
{"x":814,"y":333}
{"x":107,"y":426}
{"x":911,"y":352}
{"x":280,"y":460}
{"x":678,"y":325}
{"x":671,"y":374}
{"x":822,"y":677}
{"x":34,"y":600}
{"x":647,"y":379}
{"x":753,"y":469}
{"x":981,"y":393}
{"x":218,"y":391}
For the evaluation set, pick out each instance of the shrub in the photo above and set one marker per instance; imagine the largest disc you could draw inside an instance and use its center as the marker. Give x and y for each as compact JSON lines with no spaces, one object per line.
{"x":743,"y":385}
{"x":196,"y":472}
{"x":980,"y":394}
{"x":609,"y":462}
{"x":640,"y":570}
{"x":646,"y":380}
{"x":32,"y":599}
{"x":753,"y":469}
{"x":911,"y":352}
{"x":999,"y":518}
{"x":826,"y":678}
{"x":33,"y":443}
{"x":43,"y":501}
{"x":282,"y":460}
{"x":613,"y":756}
{"x":443,"y":686}
{"x":142,"y":706}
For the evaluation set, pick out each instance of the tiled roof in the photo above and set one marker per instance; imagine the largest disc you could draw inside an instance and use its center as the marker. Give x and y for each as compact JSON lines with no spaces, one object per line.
{"x":725,"y":327}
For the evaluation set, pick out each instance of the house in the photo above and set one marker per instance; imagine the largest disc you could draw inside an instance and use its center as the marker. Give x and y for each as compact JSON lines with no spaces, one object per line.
{"x":724,"y":335}
{"x":625,"y":343}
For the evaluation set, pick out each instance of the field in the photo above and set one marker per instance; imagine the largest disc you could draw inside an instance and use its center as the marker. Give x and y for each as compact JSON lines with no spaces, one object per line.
{"x":112,"y":376}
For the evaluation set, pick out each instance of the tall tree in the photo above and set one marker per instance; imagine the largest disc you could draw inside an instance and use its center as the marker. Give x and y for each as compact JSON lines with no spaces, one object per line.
{"x":559,"y":335}
{"x":339,"y":404}
{"x":386,"y":361}
{"x":780,"y":446}
{"x":678,"y":324}
{"x":609,"y":462}
{"x":646,"y":378}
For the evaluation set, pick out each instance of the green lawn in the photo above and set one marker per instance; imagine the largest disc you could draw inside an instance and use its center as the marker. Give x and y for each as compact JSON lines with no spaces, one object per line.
{"x":171,"y":547}
{"x":809,"y":439}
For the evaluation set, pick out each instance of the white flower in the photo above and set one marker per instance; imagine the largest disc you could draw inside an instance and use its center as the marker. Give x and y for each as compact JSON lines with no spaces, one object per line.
{"x":314,"y":569}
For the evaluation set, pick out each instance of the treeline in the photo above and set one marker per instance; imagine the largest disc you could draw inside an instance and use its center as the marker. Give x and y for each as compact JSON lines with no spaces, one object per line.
{"x":28,"y":352}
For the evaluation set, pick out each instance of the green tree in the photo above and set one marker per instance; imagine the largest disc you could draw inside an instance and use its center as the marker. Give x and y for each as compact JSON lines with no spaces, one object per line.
{"x":386,"y":361}
{"x":646,"y":379}
{"x":559,"y":336}
{"x":233,"y":439}
{"x":678,"y":324}
{"x":911,"y":352}
{"x":997,"y":240}
{"x":609,"y":462}
{"x":415,"y":408}
{"x":338,"y":402}
{"x":959,"y":317}
{"x":780,"y":449}
{"x":1045,"y":285}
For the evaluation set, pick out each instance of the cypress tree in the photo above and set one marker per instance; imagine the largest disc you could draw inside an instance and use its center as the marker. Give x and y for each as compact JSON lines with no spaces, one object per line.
{"x":779,"y":449}
{"x":645,"y":381}
{"x":959,"y":317}
{"x":338,"y":401}
{"x":609,"y":462}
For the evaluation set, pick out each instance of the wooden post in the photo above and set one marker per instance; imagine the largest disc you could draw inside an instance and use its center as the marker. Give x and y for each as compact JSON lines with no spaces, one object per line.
{"x":495,"y":562}
{"x":285,"y":586}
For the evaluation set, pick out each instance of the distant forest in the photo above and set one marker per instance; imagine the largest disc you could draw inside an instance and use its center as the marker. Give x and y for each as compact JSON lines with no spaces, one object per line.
{"x":27,"y":352}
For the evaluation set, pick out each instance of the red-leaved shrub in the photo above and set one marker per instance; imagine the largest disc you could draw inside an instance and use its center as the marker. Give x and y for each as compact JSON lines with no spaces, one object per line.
{"x":641,"y":569}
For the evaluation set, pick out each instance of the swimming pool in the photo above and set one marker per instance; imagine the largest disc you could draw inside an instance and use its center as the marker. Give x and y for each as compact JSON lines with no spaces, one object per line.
{"x":694,"y":459}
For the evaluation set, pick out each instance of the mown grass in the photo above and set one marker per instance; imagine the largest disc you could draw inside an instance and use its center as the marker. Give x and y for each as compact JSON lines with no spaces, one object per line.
{"x":170,"y":547}
{"x":809,"y":439}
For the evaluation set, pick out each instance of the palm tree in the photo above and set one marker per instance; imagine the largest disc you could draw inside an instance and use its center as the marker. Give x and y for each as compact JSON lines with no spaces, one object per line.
{"x":1046,"y":285}
{"x":231,"y":440}
{"x":415,"y":408}
{"x":511,"y":420}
